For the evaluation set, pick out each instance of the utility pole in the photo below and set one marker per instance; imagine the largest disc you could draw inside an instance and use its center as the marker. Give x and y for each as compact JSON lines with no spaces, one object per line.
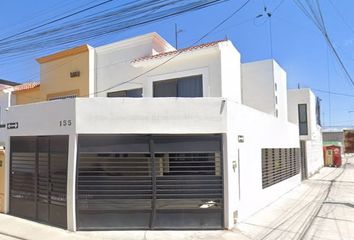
{"x":177,"y":31}
{"x":267,"y":14}
{"x":176,"y":35}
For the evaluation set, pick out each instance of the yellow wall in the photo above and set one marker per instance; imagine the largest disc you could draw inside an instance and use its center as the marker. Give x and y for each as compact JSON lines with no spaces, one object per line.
{"x":56,"y":80}
{"x":2,"y":179}
{"x":28,"y":96}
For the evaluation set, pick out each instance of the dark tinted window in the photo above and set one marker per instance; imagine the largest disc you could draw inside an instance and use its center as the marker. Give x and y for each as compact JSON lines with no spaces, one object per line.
{"x":182,"y":87}
{"x":318,"y":111}
{"x":133,"y":93}
{"x":165,"y":88}
{"x":303,"y":126}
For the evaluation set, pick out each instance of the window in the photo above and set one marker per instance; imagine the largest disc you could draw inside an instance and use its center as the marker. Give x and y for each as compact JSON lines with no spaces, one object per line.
{"x":318,"y":111}
{"x":302,"y":111}
{"x":276,"y":113}
{"x":279,"y":164}
{"x":132,"y":93}
{"x":276,"y":99}
{"x":191,"y":86}
{"x":275,"y":87}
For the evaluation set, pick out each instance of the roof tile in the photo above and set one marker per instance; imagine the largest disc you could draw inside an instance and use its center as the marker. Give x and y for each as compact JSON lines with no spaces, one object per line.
{"x":189,"y":49}
{"x":26,"y":86}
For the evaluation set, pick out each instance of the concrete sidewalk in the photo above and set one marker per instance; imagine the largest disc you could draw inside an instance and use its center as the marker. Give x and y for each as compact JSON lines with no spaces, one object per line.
{"x":320,"y":208}
{"x":12,"y":228}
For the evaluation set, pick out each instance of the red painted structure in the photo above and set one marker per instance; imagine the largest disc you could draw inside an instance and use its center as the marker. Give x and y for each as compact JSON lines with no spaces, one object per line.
{"x":332,"y":156}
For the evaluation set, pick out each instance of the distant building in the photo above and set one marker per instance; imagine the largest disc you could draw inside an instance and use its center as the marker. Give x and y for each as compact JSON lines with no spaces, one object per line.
{"x":333,"y":136}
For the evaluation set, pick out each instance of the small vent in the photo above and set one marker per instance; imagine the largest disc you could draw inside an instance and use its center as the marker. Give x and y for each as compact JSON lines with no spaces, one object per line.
{"x":62,"y":97}
{"x":75,"y":74}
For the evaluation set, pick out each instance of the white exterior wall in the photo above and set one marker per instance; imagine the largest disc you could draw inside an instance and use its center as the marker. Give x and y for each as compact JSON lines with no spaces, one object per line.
{"x":6,"y":100}
{"x":314,"y":152}
{"x":260,"y":130}
{"x":152,"y":115}
{"x":113,"y":62}
{"x":111,"y":116}
{"x":281,"y":92}
{"x":258,"y":87}
{"x":219,"y":65}
{"x":169,"y":116}
{"x":230,"y":72}
{"x":296,"y":97}
{"x":204,"y":62}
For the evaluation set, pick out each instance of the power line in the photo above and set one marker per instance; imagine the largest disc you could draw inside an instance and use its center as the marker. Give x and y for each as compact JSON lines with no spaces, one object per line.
{"x":132,"y":14}
{"x":316,"y":16}
{"x":329,"y":88}
{"x":178,"y":52}
{"x":334,"y":93}
{"x":341,"y":16}
{"x":56,"y":20}
{"x":278,"y":6}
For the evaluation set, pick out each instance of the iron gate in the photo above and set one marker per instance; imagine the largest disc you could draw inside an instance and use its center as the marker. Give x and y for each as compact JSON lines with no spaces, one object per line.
{"x":150,"y":182}
{"x":38,"y":178}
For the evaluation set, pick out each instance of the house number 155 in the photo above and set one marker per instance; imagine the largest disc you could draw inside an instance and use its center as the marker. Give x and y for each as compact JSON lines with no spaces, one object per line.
{"x":64,"y":123}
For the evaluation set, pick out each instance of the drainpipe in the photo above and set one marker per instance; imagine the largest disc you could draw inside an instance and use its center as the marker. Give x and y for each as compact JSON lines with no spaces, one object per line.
{"x":9,"y":95}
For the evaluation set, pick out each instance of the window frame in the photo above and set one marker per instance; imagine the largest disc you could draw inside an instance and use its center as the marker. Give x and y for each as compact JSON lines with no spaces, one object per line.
{"x":204,"y":71}
{"x":176,"y":82}
{"x":306,"y":130}
{"x":126,"y":93}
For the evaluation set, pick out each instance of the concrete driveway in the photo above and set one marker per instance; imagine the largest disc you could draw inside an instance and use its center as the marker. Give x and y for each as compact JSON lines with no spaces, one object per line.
{"x":320,"y":208}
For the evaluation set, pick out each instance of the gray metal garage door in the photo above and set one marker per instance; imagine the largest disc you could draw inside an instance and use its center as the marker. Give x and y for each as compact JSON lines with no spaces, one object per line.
{"x":150,"y":182}
{"x":38,"y":178}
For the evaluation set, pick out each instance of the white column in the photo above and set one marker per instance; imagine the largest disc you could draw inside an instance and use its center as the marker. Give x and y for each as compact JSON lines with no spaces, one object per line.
{"x":71,"y":183}
{"x":92,"y":72}
{"x":227,"y":217}
{"x":7,"y":176}
{"x":231,"y":187}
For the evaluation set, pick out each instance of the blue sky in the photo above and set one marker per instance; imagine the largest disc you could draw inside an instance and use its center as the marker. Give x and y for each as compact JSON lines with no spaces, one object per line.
{"x":297,"y":45}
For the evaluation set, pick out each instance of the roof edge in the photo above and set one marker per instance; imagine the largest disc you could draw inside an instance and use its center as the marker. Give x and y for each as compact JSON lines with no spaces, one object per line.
{"x":178,"y":51}
{"x":63,"y":54}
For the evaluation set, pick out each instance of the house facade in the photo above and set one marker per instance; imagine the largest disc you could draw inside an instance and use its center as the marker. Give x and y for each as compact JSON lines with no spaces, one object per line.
{"x":143,"y":136}
{"x":304,"y":110}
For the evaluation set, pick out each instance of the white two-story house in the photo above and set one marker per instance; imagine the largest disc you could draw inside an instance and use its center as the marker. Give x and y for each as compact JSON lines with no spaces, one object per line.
{"x":157,"y":138}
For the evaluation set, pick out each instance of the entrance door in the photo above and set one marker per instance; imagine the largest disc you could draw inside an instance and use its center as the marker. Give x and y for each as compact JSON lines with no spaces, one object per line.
{"x":150,"y":182}
{"x":38,"y":178}
{"x":303,"y":160}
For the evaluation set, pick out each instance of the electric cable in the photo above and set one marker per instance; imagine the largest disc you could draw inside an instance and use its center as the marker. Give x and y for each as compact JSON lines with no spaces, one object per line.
{"x":56,"y":20}
{"x":314,"y":13}
{"x":177,"y":52}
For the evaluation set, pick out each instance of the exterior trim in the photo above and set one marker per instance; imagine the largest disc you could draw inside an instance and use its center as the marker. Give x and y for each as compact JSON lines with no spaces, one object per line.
{"x":63,"y":54}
